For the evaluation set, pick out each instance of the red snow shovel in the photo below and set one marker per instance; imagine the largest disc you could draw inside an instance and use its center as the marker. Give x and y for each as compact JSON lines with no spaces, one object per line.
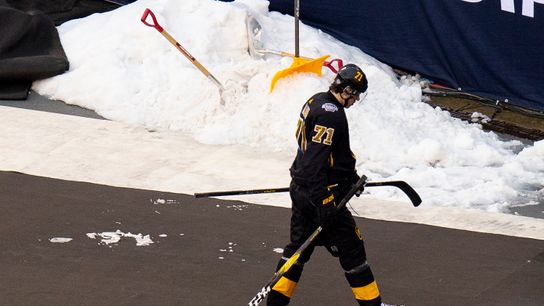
{"x":186,"y":53}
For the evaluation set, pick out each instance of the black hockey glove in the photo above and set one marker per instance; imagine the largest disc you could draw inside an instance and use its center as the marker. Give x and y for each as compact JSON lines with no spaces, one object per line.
{"x":326,"y":210}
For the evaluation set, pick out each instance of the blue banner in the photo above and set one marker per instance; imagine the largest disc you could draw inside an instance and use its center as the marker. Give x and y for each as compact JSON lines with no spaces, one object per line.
{"x":491,"y":48}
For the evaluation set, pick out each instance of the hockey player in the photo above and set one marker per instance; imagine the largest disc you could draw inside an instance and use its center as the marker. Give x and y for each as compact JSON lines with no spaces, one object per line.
{"x":322,"y":173}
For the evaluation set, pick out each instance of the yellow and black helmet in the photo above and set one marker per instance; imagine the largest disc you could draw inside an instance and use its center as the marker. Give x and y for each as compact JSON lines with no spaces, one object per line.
{"x":350,"y":75}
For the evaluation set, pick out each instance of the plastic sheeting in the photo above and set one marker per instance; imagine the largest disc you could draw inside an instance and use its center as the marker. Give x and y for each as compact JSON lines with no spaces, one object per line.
{"x":30,"y":48}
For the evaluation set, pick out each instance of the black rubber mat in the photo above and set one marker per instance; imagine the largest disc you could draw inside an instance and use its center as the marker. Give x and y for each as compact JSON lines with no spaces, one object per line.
{"x":217,"y":252}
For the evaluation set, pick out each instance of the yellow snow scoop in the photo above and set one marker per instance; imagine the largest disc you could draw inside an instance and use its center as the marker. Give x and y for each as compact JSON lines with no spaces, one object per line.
{"x":299,"y":64}
{"x":256,"y":49}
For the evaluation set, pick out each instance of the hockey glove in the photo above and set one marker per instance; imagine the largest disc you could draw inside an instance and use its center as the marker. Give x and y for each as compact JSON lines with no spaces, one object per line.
{"x":326,"y":210}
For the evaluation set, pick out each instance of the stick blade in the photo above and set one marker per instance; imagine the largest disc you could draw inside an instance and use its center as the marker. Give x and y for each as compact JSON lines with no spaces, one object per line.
{"x":402,"y":185}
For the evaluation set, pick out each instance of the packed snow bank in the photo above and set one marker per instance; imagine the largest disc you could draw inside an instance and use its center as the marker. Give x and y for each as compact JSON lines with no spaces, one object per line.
{"x":128,"y":72}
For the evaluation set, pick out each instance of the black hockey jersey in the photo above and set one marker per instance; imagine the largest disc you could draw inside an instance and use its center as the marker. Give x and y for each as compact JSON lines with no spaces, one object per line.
{"x":324,"y":155}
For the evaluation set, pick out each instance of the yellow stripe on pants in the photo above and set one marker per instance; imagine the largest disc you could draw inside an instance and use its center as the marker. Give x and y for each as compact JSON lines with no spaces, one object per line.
{"x":366,"y":293}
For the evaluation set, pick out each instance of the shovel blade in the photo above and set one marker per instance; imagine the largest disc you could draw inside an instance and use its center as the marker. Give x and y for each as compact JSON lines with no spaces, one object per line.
{"x":300,"y":65}
{"x":254,"y":32}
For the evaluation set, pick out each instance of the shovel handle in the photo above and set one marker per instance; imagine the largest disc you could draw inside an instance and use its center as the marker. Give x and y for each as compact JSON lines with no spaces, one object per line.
{"x":155,"y":24}
{"x":296,"y":14}
{"x":180,"y":48}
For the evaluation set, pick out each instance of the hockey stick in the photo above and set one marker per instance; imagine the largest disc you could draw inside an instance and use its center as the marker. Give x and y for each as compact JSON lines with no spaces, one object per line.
{"x":239,"y":192}
{"x":257,"y":299}
{"x":402,"y":185}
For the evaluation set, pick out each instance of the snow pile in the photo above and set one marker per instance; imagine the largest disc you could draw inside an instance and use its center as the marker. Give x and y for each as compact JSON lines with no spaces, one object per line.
{"x":128,"y":72}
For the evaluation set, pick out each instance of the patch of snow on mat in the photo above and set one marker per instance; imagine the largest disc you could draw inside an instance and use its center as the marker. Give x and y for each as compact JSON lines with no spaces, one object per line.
{"x":60,"y":240}
{"x":114,"y":237}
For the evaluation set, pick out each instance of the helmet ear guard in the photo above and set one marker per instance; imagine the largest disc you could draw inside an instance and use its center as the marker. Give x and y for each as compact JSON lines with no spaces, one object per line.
{"x":336,"y":85}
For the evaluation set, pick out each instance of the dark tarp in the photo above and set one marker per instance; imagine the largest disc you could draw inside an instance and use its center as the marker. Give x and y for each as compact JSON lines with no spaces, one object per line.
{"x":122,"y":2}
{"x":30,"y":48}
{"x":483,"y":47}
{"x":61,"y":11}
